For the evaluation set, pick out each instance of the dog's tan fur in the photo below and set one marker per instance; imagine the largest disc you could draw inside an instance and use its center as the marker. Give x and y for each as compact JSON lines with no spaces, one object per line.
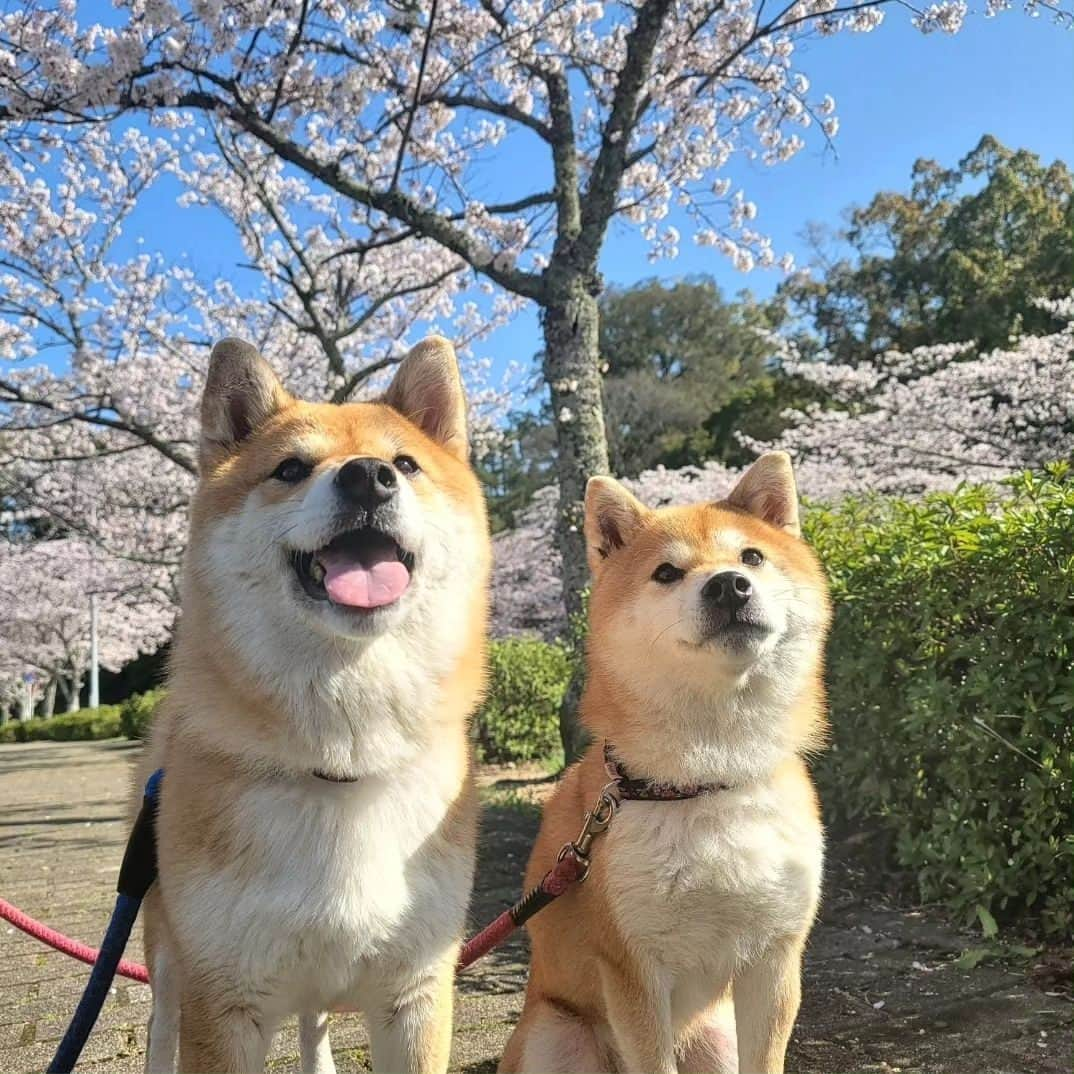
{"x":281,"y":893}
{"x":695,"y":913}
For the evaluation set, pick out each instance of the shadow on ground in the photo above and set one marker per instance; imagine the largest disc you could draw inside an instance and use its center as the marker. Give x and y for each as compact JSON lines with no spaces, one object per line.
{"x":62,"y":759}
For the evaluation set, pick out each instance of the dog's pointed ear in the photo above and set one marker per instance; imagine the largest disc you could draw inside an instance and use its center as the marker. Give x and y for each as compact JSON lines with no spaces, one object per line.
{"x":427,"y":390}
{"x":241,"y":393}
{"x":767,"y":490}
{"x":612,"y":514}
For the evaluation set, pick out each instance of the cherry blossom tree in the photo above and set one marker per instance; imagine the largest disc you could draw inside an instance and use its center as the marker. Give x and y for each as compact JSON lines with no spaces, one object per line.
{"x":13,"y":693}
{"x":389,"y":110}
{"x":45,"y":589}
{"x":103,"y":350}
{"x":902,"y":424}
{"x":940,"y":415}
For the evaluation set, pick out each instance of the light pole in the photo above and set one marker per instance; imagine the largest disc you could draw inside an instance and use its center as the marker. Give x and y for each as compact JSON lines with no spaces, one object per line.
{"x":94,"y":670}
{"x":29,"y":678}
{"x":94,"y":675}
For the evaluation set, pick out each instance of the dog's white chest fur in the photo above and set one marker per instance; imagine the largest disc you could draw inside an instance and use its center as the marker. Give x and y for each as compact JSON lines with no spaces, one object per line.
{"x":337,"y":887}
{"x":704,"y":886}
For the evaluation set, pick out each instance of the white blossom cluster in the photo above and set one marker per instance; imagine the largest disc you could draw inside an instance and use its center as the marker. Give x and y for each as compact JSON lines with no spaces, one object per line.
{"x":932,"y":418}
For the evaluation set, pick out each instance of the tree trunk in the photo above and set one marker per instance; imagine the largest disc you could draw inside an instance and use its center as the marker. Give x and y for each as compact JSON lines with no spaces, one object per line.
{"x":71,"y":689}
{"x":572,"y":372}
{"x":48,"y":707}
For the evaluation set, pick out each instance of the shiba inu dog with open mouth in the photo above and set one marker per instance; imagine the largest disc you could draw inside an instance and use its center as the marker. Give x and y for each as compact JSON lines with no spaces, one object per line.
{"x":317,"y":816}
{"x":682,"y":950}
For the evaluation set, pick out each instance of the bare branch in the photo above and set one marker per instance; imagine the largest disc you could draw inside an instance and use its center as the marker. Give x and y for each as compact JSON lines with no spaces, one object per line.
{"x":598,"y":202}
{"x":417,"y":96}
{"x":497,"y":108}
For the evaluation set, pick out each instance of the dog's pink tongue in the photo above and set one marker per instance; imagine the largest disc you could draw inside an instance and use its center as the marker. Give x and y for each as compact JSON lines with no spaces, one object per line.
{"x":381,"y":580}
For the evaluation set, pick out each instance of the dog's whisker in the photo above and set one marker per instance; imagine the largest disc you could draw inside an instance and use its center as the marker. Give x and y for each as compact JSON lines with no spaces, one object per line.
{"x":670,"y":626}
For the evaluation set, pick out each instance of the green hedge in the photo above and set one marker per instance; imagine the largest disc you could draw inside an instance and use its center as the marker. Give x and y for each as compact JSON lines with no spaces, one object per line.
{"x":131,"y":718}
{"x":951,"y":675}
{"x":519,"y":720}
{"x":83,"y":726}
{"x":137,"y":712}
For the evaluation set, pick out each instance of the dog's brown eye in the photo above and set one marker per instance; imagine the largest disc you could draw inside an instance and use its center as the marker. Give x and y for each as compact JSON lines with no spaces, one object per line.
{"x":667,"y":573}
{"x":406,"y":464}
{"x":752,"y":557}
{"x":291,"y":471}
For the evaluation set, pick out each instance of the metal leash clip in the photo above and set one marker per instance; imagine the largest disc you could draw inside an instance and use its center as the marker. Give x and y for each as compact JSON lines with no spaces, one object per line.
{"x":597,"y":820}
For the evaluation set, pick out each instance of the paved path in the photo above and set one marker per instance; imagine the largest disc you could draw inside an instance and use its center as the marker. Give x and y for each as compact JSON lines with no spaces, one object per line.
{"x":882,"y":991}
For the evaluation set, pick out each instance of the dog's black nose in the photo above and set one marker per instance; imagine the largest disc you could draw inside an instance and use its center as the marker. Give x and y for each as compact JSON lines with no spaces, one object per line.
{"x":367,"y":482}
{"x":728,"y":590}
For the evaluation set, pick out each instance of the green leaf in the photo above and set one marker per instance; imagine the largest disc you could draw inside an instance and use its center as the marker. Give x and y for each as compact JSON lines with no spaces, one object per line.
{"x":989,"y":928}
{"x":1021,"y":951}
{"x":972,"y":957}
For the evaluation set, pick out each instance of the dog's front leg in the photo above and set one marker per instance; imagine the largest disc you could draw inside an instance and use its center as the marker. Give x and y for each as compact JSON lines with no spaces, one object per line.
{"x":314,"y":1048}
{"x":410,"y":1029}
{"x":163,"y":1028}
{"x":639,"y":1012}
{"x":767,"y":997}
{"x":222,"y":1035}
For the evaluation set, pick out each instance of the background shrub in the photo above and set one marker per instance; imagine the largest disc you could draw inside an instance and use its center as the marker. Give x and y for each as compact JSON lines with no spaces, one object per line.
{"x":80,"y":726}
{"x":951,"y":674}
{"x":137,"y":711}
{"x":519,"y":720}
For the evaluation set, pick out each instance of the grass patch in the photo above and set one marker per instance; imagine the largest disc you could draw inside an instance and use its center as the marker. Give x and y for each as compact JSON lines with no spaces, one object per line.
{"x":496,"y":797}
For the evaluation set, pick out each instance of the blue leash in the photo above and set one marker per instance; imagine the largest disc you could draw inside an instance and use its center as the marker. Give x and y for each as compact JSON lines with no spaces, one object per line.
{"x":136,"y":875}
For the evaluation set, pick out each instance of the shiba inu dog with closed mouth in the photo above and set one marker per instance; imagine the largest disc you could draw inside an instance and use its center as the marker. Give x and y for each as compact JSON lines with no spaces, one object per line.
{"x":682,"y":949}
{"x":317,"y":815}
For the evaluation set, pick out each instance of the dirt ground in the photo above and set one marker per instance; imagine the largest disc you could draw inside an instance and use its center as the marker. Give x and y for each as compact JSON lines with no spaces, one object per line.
{"x":885,"y":989}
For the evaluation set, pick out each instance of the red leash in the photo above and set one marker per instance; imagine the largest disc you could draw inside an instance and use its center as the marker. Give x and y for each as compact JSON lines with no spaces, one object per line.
{"x":572,"y":867}
{"x":569,"y":869}
{"x":57,"y":940}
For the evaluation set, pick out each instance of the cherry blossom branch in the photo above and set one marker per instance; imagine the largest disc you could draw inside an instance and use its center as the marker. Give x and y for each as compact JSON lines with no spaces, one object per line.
{"x":12,"y":393}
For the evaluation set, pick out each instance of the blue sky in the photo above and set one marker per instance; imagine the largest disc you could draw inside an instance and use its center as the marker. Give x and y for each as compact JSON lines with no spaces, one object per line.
{"x":900,"y":95}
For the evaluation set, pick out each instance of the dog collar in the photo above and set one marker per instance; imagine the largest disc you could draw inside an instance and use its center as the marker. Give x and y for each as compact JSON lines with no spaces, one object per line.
{"x":329,"y":778}
{"x":636,"y":789}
